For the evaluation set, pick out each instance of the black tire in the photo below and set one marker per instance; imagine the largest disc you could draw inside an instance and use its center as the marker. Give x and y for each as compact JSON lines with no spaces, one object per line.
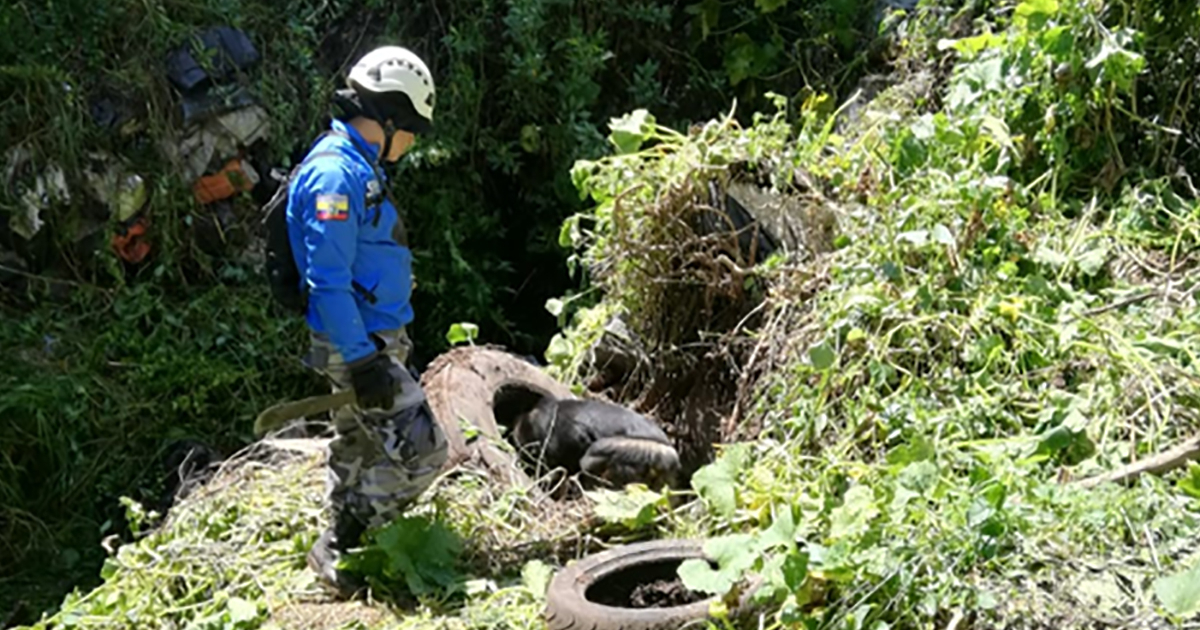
{"x":568,"y":606}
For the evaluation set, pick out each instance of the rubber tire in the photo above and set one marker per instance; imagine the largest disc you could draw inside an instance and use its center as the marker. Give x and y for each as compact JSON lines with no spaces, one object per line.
{"x":567,"y":608}
{"x":460,"y":385}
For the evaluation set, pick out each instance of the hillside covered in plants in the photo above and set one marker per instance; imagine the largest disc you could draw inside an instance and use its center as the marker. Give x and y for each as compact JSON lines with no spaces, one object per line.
{"x":946,"y":379}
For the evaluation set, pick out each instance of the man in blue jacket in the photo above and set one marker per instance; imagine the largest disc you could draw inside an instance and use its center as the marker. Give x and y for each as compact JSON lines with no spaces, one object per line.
{"x":351,"y":250}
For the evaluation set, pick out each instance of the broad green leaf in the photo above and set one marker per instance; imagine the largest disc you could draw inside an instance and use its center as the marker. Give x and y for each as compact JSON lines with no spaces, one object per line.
{"x":1180,"y":592}
{"x":535,"y":576}
{"x":979,"y":513}
{"x":916,"y":237}
{"x":559,"y":349}
{"x":919,"y":476}
{"x":581,"y":174}
{"x":739,"y":63}
{"x":531,"y":137}
{"x":1080,"y":449}
{"x":1119,"y":64}
{"x":822,"y":356}
{"x":971,"y":46}
{"x":717,"y":482}
{"x":997,"y":128}
{"x":853,"y":517}
{"x":1092,"y":261}
{"x":568,"y":235}
{"x":923,"y":128}
{"x":782,"y":531}
{"x":917,"y":449}
{"x":698,"y":576}
{"x":774,"y":582}
{"x":742,"y":58}
{"x":419,"y":551}
{"x":900,"y":499}
{"x":633,"y":507}
{"x":631,"y":130}
{"x":986,"y":599}
{"x":1058,"y":41}
{"x":997,"y":182}
{"x":241,"y":611}
{"x":908,"y":153}
{"x":734,"y":554}
{"x":795,"y":570}
{"x":1190,"y":485}
{"x":881,"y":373}
{"x":985,"y":75}
{"x":460,"y":332}
{"x":941,"y":234}
{"x":1045,"y":256}
{"x":1162,"y":346}
{"x":1033,"y":14}
{"x":109,"y":568}
{"x":1055,"y":439}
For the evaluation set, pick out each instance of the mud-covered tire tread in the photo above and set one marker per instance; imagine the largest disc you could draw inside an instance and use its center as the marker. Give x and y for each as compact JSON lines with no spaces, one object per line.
{"x":568,"y":609}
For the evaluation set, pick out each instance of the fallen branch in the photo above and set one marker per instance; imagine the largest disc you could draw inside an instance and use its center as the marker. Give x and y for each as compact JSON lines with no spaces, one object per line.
{"x":1156,"y":465}
{"x":1129,"y":301}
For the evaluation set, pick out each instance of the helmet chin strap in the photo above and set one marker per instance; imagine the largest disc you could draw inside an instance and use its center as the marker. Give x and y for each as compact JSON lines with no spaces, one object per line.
{"x":389,"y":131}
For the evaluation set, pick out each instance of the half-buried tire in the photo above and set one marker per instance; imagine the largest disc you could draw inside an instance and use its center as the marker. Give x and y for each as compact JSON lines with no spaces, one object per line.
{"x":482,"y":388}
{"x":617,"y":589}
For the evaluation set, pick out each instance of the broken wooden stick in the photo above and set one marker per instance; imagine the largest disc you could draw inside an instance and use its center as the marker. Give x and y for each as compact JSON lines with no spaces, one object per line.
{"x":1165,"y":461}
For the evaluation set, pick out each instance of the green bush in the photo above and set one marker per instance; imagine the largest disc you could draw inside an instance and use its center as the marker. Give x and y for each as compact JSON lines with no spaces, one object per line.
{"x":183,"y":343}
{"x":1008,"y":306}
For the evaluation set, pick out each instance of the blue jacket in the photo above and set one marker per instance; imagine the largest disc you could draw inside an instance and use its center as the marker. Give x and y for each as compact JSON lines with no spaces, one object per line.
{"x":338,"y":242}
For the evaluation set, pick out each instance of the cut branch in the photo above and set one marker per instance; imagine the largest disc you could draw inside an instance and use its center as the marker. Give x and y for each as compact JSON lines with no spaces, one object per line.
{"x":1162,"y":463}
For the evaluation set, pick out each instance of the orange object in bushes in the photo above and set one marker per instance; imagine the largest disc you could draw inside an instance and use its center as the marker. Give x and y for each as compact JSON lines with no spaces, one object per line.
{"x":130,"y":243}
{"x":225,"y":183}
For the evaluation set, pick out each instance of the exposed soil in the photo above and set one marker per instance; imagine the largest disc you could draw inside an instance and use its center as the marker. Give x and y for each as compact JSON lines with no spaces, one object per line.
{"x":663,"y":594}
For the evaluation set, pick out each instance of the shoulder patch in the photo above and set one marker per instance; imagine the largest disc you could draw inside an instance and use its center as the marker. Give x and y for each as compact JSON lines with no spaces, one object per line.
{"x":332,"y":207}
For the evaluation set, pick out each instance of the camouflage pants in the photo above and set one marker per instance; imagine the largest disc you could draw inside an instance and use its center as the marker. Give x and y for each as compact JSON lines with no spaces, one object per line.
{"x":379,"y":461}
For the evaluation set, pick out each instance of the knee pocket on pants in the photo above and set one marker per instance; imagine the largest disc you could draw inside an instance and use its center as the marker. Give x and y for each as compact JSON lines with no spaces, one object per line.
{"x":420,"y":442}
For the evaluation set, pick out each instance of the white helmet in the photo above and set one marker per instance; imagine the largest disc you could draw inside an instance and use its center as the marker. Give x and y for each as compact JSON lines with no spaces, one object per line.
{"x":395,"y":69}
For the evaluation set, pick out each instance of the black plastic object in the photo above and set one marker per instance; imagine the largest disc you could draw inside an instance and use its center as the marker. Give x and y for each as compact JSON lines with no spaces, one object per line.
{"x":230,"y":50}
{"x":214,"y":102}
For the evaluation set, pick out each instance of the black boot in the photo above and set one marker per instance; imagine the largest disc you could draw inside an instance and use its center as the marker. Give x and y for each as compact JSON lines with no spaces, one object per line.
{"x":341,"y":536}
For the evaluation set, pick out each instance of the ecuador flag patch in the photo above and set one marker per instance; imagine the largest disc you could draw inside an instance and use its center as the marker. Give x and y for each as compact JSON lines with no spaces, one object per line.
{"x":333,"y":207}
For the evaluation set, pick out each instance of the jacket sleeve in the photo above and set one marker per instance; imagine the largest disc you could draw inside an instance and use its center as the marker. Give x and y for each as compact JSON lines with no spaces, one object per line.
{"x":331,"y":214}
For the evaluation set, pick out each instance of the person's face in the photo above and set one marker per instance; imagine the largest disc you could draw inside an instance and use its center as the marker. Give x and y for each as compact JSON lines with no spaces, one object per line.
{"x":401,"y":141}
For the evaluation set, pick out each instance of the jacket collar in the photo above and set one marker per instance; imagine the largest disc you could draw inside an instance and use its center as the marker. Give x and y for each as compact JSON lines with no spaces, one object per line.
{"x":355,"y":137}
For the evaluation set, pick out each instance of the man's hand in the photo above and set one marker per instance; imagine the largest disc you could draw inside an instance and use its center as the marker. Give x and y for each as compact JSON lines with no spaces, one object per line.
{"x":374,"y":385}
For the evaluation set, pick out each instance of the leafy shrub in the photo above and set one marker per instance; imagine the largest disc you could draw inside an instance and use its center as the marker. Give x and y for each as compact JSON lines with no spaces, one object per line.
{"x":998,"y":316}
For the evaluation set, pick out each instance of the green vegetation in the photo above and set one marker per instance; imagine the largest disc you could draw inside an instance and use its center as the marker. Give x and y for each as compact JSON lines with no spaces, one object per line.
{"x":182,"y":344}
{"x":1006,"y":302}
{"x":118,"y":377}
{"x":996,"y":298}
